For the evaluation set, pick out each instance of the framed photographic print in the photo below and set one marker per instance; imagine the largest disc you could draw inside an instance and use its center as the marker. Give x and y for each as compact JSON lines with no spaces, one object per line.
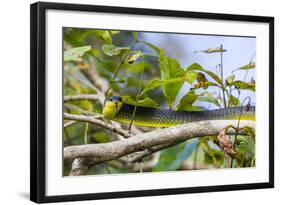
{"x":129,"y":102}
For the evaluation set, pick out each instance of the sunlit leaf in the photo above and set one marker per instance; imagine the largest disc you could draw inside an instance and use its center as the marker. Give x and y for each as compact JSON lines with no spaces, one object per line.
{"x":146,"y":102}
{"x":170,"y":68}
{"x":153,"y":47}
{"x":196,"y":66}
{"x":209,"y":99}
{"x":243,"y":85}
{"x":212,"y":50}
{"x":230,"y":79}
{"x":112,"y":50}
{"x":75,"y":54}
{"x":190,"y":76}
{"x":247,"y":66}
{"x":132,"y":58}
{"x":114,"y":32}
{"x":204,"y":85}
{"x":233,"y":101}
{"x":187,"y":100}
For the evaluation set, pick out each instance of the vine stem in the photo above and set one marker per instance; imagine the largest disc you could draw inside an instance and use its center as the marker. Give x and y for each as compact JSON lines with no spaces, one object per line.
{"x":139,"y":89}
{"x":85,"y":133}
{"x":221,"y":69}
{"x":237,"y":128}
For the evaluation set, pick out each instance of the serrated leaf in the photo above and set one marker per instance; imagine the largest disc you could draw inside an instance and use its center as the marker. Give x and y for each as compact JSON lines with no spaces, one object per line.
{"x":75,"y":54}
{"x":196,"y":66}
{"x":169,"y":69}
{"x":112,"y":50}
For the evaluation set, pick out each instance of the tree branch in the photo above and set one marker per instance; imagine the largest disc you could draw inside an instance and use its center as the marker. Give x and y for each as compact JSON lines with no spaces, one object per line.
{"x":80,"y":97}
{"x":98,"y":122}
{"x":114,"y":150}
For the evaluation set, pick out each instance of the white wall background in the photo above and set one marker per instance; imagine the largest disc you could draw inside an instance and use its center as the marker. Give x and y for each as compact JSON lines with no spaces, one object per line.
{"x":14,"y":101}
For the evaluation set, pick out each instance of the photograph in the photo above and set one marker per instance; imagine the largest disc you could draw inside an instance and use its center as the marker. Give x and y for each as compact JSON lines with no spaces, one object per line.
{"x":139,"y":102}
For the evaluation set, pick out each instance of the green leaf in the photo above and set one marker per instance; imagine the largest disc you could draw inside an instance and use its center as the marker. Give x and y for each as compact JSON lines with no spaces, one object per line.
{"x":230,"y":79}
{"x":132,"y":58}
{"x":190,"y":76}
{"x":112,"y":50}
{"x":153,"y":47}
{"x":137,"y":67}
{"x":245,"y":150}
{"x":152,"y":84}
{"x":75,"y":54}
{"x":155,"y":83}
{"x":250,"y":132}
{"x":146,"y":102}
{"x":196,"y":66}
{"x":211,"y":154}
{"x":170,"y":68}
{"x":233,"y":101}
{"x":187,"y":100}
{"x":102,"y":34}
{"x":209,"y":99}
{"x":135,"y":35}
{"x":213,"y":50}
{"x":172,"y":158}
{"x":247,"y":66}
{"x":114,"y":32}
{"x":243,"y":85}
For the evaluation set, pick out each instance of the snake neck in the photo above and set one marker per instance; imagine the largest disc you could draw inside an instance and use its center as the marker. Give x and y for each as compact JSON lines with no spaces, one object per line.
{"x":155,"y":117}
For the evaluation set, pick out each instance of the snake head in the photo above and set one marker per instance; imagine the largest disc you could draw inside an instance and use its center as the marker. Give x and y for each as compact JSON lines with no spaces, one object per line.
{"x":112,"y":106}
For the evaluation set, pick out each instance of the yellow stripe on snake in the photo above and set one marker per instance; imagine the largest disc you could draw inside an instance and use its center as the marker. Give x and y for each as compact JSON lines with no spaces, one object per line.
{"x":115,"y":109}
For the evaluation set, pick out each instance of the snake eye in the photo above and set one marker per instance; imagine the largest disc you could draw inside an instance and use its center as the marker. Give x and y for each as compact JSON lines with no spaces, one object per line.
{"x":115,"y":98}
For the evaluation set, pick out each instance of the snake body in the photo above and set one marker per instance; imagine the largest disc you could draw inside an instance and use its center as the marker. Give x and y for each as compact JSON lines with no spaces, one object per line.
{"x":159,"y":117}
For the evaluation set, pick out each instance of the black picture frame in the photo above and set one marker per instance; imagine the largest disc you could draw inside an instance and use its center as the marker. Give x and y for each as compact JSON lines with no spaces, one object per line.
{"x":38,"y":100}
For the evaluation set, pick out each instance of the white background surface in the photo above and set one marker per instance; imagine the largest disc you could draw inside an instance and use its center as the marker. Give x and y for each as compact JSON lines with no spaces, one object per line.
{"x":56,"y":185}
{"x":14,"y":102}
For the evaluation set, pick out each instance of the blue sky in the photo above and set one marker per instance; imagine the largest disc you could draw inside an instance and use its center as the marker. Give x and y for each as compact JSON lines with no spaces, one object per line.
{"x":240,"y":51}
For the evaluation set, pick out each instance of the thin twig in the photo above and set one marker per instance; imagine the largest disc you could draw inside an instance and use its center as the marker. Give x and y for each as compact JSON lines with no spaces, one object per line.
{"x":221,"y":67}
{"x":80,"y":97}
{"x":97,"y":122}
{"x":139,"y":89}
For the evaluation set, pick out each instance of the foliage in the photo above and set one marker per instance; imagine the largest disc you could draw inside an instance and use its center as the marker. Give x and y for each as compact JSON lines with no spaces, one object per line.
{"x":125,"y":62}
